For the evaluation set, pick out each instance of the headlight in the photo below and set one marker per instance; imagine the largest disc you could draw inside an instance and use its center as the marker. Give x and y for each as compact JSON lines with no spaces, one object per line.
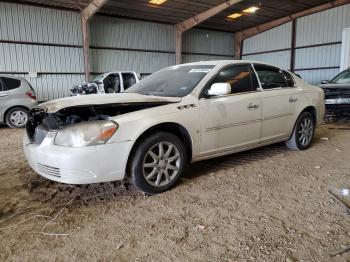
{"x":86,"y":134}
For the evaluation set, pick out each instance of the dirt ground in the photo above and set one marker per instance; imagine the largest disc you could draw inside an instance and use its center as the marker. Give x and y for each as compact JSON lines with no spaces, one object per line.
{"x":269,"y":204}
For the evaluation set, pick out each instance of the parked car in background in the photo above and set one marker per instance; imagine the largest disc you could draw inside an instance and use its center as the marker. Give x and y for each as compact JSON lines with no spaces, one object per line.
{"x":17,"y":97}
{"x":181,"y":114}
{"x":337,"y":94}
{"x":109,"y":83}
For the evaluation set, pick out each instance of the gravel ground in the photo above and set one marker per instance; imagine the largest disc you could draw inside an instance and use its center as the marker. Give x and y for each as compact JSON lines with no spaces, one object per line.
{"x":268,"y":204}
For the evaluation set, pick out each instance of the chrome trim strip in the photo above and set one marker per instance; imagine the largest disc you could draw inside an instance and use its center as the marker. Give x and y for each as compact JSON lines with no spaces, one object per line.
{"x":232,"y":125}
{"x":277,"y":116}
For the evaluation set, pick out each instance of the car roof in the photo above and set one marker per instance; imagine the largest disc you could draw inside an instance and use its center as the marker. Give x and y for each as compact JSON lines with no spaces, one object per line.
{"x":226,"y":62}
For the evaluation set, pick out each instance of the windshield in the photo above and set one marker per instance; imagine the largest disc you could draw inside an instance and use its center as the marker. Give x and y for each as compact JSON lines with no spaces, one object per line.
{"x":342,"y":78}
{"x":176,"y":81}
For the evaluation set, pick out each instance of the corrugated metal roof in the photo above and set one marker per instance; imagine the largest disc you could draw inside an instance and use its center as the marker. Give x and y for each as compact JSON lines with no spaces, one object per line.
{"x":174,"y":11}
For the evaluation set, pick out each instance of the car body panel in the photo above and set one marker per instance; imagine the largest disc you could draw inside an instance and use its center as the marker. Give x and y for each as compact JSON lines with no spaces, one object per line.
{"x":216,"y":126}
{"x":15,"y":97}
{"x":223,"y":116}
{"x":337,"y":96}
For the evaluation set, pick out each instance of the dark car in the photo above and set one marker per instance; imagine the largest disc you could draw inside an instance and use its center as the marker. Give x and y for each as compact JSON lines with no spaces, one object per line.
{"x":337,"y":94}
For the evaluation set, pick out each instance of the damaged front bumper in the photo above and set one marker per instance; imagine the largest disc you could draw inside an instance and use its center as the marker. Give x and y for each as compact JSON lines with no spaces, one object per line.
{"x":92,"y":164}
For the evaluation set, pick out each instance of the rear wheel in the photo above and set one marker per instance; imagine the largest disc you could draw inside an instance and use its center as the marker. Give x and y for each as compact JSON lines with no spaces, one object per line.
{"x":303,"y":132}
{"x":17,"y":117}
{"x":158,"y":163}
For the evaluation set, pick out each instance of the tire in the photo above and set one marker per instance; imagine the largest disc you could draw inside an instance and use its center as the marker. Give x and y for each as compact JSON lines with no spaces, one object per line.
{"x":17,"y":117}
{"x":303,"y":132}
{"x":163,"y":172}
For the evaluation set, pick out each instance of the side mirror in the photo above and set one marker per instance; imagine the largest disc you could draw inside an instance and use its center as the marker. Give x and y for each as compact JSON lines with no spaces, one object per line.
{"x":325,"y":82}
{"x":219,"y":89}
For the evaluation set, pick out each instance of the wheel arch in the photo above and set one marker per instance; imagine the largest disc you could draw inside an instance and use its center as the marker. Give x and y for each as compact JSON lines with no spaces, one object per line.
{"x":171,"y":127}
{"x":3,"y":117}
{"x":312,"y":110}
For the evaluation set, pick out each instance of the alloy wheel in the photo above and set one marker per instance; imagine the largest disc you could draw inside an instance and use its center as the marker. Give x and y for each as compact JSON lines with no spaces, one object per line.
{"x":161,"y":164}
{"x":305,"y":132}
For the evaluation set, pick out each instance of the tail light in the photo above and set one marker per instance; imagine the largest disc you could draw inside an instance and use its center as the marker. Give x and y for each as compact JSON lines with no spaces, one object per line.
{"x":31,"y":95}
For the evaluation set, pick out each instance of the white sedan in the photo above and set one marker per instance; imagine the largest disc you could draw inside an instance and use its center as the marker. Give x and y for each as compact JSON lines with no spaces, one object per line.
{"x":179,"y":115}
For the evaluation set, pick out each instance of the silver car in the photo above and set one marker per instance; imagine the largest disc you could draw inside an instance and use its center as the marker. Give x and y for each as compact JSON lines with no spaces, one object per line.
{"x":17,"y":97}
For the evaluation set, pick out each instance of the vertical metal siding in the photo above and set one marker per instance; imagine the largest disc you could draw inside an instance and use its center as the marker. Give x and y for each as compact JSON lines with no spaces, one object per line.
{"x":196,"y":58}
{"x":281,"y":59}
{"x":323,"y":27}
{"x":322,"y":56}
{"x":23,"y":23}
{"x":141,"y":62}
{"x":125,"y":33}
{"x":274,"y":39}
{"x":35,"y":24}
{"x":315,"y":77}
{"x":207,"y":41}
{"x":34,"y":58}
{"x":116,"y":33}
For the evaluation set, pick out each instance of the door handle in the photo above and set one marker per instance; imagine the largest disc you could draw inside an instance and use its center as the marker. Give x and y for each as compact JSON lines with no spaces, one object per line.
{"x":4,"y":95}
{"x":252,"y":106}
{"x":293,"y":99}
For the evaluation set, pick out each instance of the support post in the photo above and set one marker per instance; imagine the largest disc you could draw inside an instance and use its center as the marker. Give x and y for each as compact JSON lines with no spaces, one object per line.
{"x":238,"y":42}
{"x":178,"y":45}
{"x":293,"y":45}
{"x":86,"y":15}
{"x":193,"y":21}
{"x":86,"y":47}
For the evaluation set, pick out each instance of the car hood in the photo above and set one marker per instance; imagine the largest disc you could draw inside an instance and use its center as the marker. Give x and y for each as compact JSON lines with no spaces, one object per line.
{"x":335,"y":86}
{"x":121,"y":98}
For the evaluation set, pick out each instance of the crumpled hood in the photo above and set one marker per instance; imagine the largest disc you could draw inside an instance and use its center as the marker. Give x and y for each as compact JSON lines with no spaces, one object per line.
{"x":121,"y":98}
{"x":335,"y":86}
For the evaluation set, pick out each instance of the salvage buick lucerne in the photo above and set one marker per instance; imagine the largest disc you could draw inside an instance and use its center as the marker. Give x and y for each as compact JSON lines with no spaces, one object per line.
{"x":179,"y":115}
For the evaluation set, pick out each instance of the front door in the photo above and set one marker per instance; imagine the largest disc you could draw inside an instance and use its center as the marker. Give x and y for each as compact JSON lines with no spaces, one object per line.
{"x":233,"y":121}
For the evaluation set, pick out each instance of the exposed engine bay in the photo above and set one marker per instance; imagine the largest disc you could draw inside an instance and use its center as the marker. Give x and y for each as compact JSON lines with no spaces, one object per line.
{"x":41,"y":122}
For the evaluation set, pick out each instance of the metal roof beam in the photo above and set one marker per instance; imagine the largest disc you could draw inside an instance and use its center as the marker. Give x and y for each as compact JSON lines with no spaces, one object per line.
{"x":93,"y":8}
{"x":269,"y":25}
{"x":196,"y":20}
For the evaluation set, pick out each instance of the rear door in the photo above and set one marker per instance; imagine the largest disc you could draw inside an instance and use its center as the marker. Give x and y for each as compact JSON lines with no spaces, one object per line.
{"x":233,"y":121}
{"x":279,"y":98}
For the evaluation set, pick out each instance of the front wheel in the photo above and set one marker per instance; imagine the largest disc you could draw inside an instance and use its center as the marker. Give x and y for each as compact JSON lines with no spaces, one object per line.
{"x":158,"y":163}
{"x":303,"y":132}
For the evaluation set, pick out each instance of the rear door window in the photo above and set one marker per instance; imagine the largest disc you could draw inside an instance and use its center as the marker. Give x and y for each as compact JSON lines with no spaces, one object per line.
{"x":271,"y":77}
{"x":10,"y":83}
{"x":129,"y":80}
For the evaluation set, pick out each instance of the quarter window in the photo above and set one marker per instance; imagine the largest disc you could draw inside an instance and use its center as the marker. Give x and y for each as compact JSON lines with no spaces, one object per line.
{"x":10,"y":83}
{"x":1,"y":85}
{"x":240,"y":77}
{"x":271,"y":77}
